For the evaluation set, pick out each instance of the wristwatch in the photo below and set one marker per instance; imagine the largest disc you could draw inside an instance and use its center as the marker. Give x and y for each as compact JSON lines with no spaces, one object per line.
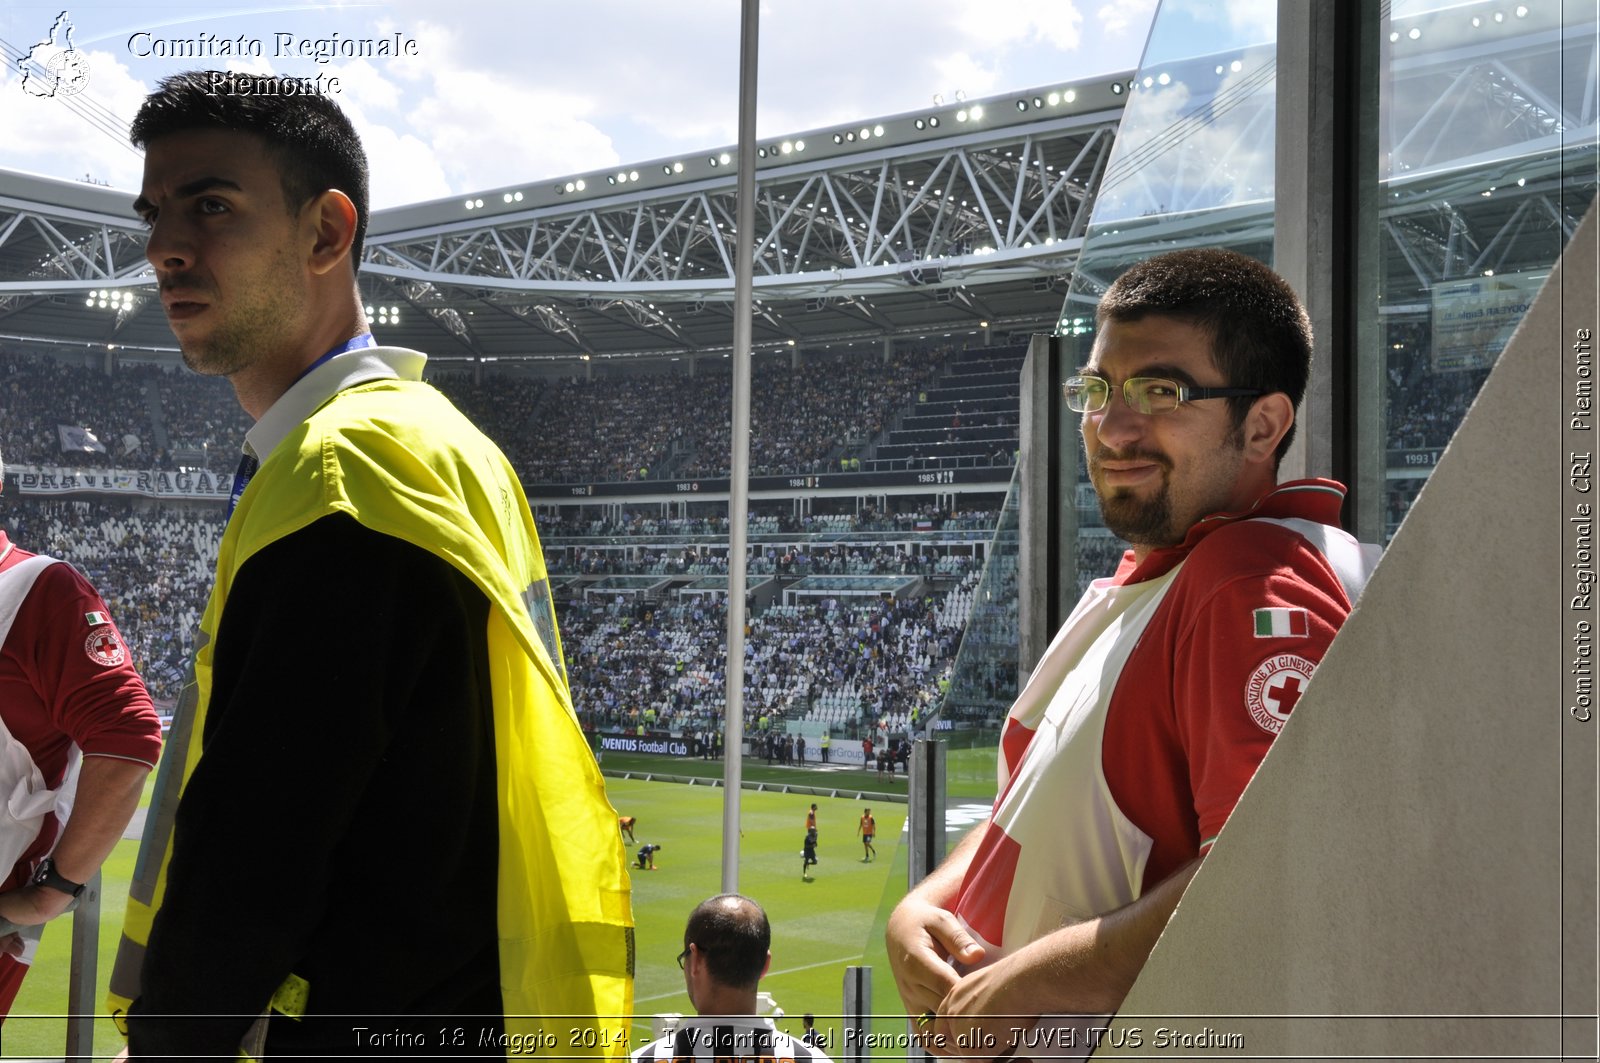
{"x":47,"y":875}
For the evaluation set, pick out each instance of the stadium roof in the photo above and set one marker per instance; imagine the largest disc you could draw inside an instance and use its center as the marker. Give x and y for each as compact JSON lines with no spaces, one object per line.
{"x":959,"y":218}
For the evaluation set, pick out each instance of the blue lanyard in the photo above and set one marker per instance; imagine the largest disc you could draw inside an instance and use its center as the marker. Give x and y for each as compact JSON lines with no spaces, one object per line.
{"x":352,"y":344}
{"x":249,"y":463}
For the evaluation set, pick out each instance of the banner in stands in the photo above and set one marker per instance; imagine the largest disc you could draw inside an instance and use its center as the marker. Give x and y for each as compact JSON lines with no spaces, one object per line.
{"x":198,"y":485}
{"x":672,"y":747}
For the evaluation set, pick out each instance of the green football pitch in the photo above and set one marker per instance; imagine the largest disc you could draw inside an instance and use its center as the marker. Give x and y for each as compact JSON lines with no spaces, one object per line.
{"x":820,"y":927}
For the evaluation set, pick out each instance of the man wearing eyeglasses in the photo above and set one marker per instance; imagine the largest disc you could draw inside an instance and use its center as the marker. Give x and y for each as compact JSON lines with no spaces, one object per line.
{"x":1153,"y":706}
{"x":726,"y":952}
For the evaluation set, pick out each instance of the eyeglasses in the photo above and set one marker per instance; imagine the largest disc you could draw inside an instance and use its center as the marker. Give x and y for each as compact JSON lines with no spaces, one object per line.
{"x":1147,"y":394}
{"x":684,"y":955}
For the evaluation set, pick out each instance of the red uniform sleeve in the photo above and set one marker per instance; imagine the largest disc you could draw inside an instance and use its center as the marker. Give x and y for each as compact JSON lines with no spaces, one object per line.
{"x":1250,"y":643}
{"x":83,"y":675}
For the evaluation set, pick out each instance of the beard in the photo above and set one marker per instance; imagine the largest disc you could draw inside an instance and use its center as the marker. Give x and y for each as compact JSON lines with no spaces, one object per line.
{"x":1161,"y":518}
{"x":1141,"y":521}
{"x":238,"y":330}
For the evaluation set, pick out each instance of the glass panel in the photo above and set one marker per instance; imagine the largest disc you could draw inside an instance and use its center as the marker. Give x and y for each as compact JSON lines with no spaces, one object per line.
{"x":1192,"y":166}
{"x":983,"y":679}
{"x":1488,"y":162}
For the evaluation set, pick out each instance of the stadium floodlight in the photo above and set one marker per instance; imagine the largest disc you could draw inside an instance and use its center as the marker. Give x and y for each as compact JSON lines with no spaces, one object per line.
{"x":1164,"y":79}
{"x":1054,"y":98}
{"x":633,"y":175}
{"x":866,"y":134}
{"x":977,"y":112}
{"x":1072,"y":94}
{"x":877,"y":130}
{"x":961,"y":115}
{"x":1116,"y":87}
{"x":506,"y":197}
{"x":581,"y":185}
{"x":786,"y":147}
{"x":571,"y":187}
{"x":724,"y":158}
{"x":934,"y":121}
{"x":517,"y":196}
{"x":469,"y":204}
{"x":838,"y":138}
{"x":677,"y":167}
{"x":799,"y":145}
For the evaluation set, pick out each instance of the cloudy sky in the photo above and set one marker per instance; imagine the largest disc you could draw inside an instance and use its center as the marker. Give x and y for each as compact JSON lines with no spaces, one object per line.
{"x":504,"y":92}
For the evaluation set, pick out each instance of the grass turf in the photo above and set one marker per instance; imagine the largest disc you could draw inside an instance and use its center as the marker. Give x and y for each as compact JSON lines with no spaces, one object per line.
{"x":820,"y":926}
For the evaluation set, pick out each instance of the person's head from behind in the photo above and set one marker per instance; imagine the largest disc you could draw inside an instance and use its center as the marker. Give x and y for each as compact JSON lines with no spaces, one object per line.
{"x":727,"y":941}
{"x":1260,"y":333}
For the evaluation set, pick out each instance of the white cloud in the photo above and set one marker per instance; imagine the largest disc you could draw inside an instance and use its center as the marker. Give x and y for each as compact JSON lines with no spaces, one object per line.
{"x":997,"y":23}
{"x":520,"y":92}
{"x":1117,"y":18}
{"x":77,"y":135}
{"x":960,"y":70}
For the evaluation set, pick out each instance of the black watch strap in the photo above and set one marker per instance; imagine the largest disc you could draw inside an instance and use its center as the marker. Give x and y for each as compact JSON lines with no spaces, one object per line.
{"x":47,"y":875}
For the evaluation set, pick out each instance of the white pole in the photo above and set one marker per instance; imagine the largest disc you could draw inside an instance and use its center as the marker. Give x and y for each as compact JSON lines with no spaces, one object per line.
{"x":739,"y":487}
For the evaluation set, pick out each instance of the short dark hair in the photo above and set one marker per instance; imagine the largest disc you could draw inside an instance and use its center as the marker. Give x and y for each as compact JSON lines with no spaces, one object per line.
{"x":733,"y":934}
{"x":308,"y":136}
{"x":1260,"y":334}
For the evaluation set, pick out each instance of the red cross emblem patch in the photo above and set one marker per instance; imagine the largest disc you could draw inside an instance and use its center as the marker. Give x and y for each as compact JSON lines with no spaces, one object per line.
{"x":104,"y":647}
{"x":1274,"y":688}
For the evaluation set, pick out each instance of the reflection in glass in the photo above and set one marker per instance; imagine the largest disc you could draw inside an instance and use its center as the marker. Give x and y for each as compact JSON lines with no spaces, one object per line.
{"x":1488,"y":162}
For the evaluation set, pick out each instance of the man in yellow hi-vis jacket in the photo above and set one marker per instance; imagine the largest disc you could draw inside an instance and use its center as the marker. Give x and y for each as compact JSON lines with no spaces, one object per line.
{"x":379,"y":826}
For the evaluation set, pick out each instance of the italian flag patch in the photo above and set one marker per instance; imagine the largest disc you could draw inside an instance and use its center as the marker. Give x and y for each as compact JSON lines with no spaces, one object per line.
{"x":96,"y":619}
{"x":1281,"y":623}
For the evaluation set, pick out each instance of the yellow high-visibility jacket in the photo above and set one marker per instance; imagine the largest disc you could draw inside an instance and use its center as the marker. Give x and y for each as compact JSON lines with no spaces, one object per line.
{"x":402,"y":461}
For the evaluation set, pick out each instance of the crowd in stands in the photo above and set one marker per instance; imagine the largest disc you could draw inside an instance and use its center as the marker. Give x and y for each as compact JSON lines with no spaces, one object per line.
{"x":203,"y":420}
{"x":804,"y":419}
{"x":152,"y":565}
{"x":807,"y":559}
{"x":662,"y":666}
{"x":926,"y":517}
{"x":39,"y":396}
{"x":654,"y":427}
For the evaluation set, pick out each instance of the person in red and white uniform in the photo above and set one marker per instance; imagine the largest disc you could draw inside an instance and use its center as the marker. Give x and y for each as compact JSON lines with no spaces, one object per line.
{"x":67,"y":687}
{"x":1138,"y":730}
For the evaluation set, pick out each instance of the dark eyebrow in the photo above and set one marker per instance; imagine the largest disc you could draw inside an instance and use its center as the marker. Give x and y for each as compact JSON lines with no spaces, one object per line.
{"x":193,"y":188}
{"x":1168,"y":372}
